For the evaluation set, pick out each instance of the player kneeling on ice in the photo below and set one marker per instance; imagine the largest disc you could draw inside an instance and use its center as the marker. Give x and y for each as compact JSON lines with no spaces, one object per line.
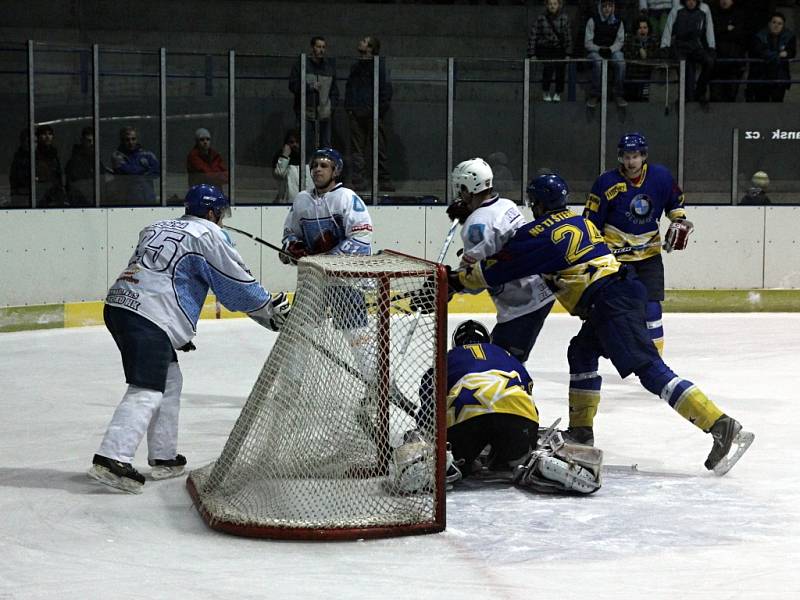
{"x":569,"y":252}
{"x":151,"y":311}
{"x":489,"y":402}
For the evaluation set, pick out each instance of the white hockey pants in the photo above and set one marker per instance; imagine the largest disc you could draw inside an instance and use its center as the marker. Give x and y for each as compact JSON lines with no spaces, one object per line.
{"x":146,"y":411}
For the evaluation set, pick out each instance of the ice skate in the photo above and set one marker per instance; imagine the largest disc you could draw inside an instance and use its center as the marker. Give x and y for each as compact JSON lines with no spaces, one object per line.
{"x":727,"y":434}
{"x":116,"y":474}
{"x":579,"y":435}
{"x":166,"y":468}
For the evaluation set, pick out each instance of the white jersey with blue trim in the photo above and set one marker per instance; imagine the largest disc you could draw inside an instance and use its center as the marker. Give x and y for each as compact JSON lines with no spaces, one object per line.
{"x":171,"y":270}
{"x":335,"y":222}
{"x":484,"y":233}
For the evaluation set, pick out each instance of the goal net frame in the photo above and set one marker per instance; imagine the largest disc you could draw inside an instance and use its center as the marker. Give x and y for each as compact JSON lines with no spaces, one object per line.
{"x":391,"y":300}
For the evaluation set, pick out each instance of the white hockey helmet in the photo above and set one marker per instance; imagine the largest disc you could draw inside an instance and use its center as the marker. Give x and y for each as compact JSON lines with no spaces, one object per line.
{"x":475,"y":174}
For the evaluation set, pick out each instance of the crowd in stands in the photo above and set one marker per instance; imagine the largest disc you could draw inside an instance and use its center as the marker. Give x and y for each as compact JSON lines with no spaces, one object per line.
{"x":728,"y":46}
{"x":724,"y":43}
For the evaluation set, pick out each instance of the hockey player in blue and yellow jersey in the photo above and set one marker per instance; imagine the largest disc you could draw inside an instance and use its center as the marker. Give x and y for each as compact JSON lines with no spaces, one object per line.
{"x":488,"y":401}
{"x":568,"y":251}
{"x":626,"y":205}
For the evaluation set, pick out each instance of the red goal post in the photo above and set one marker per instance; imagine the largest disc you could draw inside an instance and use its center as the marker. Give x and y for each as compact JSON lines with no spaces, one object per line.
{"x":312,"y":454}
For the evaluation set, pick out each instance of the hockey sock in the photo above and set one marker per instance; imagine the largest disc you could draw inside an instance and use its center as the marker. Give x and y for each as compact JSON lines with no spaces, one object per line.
{"x":655,"y":325}
{"x":162,"y":434}
{"x":584,"y":385}
{"x":681,"y":394}
{"x":129,"y":423}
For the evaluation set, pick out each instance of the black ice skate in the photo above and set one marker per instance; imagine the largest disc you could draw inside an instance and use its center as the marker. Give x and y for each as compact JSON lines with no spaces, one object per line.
{"x":727,"y":433}
{"x":579,"y":435}
{"x":167,"y":467}
{"x":116,"y":474}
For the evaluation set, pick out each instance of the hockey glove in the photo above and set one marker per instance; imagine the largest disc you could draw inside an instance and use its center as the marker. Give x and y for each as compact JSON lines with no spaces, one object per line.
{"x":424,"y":299}
{"x":677,"y":237}
{"x":293,"y":251}
{"x":280,"y":310}
{"x":454,"y":284}
{"x":459,"y":211}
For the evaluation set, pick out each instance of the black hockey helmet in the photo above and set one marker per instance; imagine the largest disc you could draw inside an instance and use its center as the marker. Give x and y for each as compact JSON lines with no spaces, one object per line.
{"x":470,"y":332}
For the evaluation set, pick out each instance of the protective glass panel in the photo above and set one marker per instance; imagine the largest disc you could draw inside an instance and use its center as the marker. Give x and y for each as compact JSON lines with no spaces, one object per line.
{"x":264,"y":119}
{"x":416,"y":131}
{"x":197,"y":123}
{"x":15,"y":175}
{"x":487,"y":120}
{"x":63,"y":101}
{"x":565,"y":136}
{"x":130,"y":128}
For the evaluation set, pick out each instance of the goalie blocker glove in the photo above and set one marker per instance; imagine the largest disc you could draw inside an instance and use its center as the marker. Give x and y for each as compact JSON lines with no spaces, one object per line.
{"x":677,"y":237}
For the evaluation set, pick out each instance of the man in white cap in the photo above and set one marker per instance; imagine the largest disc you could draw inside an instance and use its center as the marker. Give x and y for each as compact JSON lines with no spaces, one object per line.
{"x":204,"y":164}
{"x":757,"y":194}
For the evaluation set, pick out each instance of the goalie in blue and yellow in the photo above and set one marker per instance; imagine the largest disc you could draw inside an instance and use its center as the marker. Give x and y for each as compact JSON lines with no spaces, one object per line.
{"x":571,"y":255}
{"x":488,"y":402}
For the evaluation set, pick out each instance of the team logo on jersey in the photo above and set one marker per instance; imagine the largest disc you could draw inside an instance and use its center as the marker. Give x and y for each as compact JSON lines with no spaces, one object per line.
{"x":358,"y":205}
{"x":640,"y":209}
{"x":475,"y":233}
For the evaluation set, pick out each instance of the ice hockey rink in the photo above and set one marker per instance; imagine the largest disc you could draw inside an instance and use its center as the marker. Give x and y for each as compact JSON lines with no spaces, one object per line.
{"x":670,"y":529}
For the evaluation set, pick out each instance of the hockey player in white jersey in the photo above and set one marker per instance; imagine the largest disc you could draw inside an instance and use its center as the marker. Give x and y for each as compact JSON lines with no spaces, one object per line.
{"x":151,"y":311}
{"x":488,"y":222}
{"x":331,"y":219}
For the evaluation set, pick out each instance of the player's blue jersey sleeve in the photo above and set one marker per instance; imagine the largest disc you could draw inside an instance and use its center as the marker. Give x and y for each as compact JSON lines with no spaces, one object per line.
{"x":564,"y":248}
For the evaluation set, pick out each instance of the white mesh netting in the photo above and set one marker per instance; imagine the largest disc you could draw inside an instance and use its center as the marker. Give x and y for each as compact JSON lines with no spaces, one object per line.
{"x":313,"y":447}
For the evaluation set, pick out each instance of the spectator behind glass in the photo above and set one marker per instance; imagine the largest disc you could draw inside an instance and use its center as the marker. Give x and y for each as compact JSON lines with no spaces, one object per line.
{"x":49,"y":179}
{"x":550,"y":37}
{"x":689,"y":35}
{"x":204,"y":164}
{"x":757,"y":194}
{"x":19,"y":174}
{"x":603,"y":39}
{"x":358,"y":102}
{"x":80,"y":171}
{"x":656,"y":12}
{"x":322,"y":95}
{"x":775,"y":46}
{"x":641,"y":48}
{"x":286,"y":168}
{"x":730,"y":36}
{"x":135,"y":170}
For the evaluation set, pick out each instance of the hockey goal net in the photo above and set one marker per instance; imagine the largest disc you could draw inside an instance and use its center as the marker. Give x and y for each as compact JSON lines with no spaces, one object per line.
{"x":312,"y":454}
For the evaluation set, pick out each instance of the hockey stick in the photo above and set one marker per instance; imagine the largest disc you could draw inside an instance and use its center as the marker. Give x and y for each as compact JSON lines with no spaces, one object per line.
{"x":442,"y":253}
{"x":278,"y":249}
{"x":418,"y":313}
{"x":627,"y":249}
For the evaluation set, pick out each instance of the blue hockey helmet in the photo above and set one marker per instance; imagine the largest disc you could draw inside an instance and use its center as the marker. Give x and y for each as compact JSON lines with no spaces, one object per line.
{"x":331,"y":155}
{"x":204,"y":197}
{"x":632,"y":142}
{"x":548,"y":192}
{"x":470,"y":332}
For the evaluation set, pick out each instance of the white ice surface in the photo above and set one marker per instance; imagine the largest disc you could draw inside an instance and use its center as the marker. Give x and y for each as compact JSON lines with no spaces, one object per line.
{"x":686,"y":534}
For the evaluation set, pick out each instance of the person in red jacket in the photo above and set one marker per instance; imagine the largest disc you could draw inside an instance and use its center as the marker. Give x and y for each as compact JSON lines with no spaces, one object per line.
{"x":204,"y":164}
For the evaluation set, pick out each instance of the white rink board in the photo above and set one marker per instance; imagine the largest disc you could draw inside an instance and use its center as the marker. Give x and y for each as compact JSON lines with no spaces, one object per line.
{"x":55,"y":256}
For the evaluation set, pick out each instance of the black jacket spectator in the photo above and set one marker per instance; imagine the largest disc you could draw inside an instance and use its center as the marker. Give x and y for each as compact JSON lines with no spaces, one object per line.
{"x":730,"y":35}
{"x":775,"y":46}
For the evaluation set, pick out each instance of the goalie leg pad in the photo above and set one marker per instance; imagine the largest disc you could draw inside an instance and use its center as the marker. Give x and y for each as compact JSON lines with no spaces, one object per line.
{"x":566,"y":468}
{"x":551,"y":474}
{"x":413,"y":468}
